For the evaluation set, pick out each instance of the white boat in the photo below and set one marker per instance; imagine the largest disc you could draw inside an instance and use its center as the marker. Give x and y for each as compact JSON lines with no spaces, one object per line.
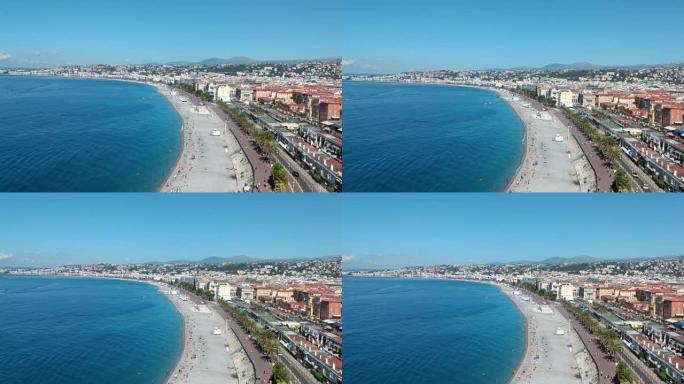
{"x":216,"y":331}
{"x":559,"y":331}
{"x":215,"y":132}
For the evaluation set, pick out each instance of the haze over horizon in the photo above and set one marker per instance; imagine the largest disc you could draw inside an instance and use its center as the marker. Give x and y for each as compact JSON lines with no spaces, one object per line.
{"x":41,"y":33}
{"x":138,"y":228}
{"x":441,"y":34}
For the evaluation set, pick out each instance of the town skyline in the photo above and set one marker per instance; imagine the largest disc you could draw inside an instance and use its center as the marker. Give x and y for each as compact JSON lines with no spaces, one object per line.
{"x":203,"y":62}
{"x":551,"y":66}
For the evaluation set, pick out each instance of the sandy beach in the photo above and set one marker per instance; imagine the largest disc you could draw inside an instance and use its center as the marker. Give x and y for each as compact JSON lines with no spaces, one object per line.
{"x":549,"y":357}
{"x":207,"y":358}
{"x":553,"y":161}
{"x":206,"y":163}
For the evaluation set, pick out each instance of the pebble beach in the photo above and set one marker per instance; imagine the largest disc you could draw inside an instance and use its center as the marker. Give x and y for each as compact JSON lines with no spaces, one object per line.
{"x":550,"y":357}
{"x":206,"y":163}
{"x":553,"y":161}
{"x":207,"y":357}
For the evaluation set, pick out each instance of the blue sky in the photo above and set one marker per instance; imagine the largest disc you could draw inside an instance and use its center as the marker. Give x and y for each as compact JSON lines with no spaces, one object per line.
{"x":391,"y":36}
{"x":43,"y":229}
{"x":370,"y":230}
{"x":48,"y":32}
{"x":389,"y":230}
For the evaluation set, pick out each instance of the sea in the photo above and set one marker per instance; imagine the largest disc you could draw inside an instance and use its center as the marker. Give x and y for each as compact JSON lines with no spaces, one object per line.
{"x":403,"y":137}
{"x":84,"y":135}
{"x":429,"y":331}
{"x":56,"y":330}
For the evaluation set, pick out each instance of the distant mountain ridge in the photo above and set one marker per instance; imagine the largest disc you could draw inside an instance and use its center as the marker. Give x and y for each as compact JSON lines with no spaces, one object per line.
{"x":561,"y":260}
{"x":240,"y":259}
{"x":211,"y":260}
{"x":553,"y":67}
{"x":584,"y":259}
{"x":583,"y":66}
{"x":574,"y":66}
{"x":241,"y":60}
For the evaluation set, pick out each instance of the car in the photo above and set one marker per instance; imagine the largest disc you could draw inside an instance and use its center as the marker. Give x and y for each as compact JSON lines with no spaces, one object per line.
{"x":295,"y":174}
{"x":634,"y":174}
{"x":645,"y":187}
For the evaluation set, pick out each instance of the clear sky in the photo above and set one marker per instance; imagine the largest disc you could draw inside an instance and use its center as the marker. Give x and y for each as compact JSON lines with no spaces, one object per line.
{"x":371,"y":230}
{"x":49,"y":32}
{"x":389,"y":230}
{"x":382,"y":36}
{"x":45,"y":229}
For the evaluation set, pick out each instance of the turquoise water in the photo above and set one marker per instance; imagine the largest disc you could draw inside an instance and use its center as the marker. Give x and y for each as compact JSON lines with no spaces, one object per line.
{"x":428,"y":138}
{"x":71,"y":330}
{"x":83,"y":135}
{"x":429,"y":331}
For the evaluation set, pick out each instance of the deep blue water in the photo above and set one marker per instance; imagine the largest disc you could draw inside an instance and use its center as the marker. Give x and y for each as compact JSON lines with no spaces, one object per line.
{"x":428,"y":138}
{"x":70,"y":330}
{"x":429,"y":331}
{"x":60,"y":134}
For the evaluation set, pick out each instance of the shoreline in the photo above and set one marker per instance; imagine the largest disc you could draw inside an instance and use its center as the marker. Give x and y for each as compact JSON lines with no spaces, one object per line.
{"x":526,"y":350}
{"x":201,"y":164}
{"x":210,"y":157}
{"x":157,"y":286}
{"x":177,"y":363}
{"x":155,"y":86}
{"x":547,"y":164}
{"x":205,"y":357}
{"x":527,"y":345}
{"x":173,"y":169}
{"x":525,"y":158}
{"x":550,"y":365}
{"x":499,"y":92}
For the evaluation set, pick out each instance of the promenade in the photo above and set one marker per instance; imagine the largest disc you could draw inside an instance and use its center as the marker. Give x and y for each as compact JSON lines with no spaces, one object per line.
{"x":260,"y":165}
{"x":207,"y":163}
{"x":601,"y":167}
{"x":605,"y":364}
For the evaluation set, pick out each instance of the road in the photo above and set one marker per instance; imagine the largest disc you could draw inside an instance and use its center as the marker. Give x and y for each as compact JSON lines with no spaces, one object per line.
{"x":262,"y":365}
{"x":602,"y":168}
{"x":262,"y":166}
{"x":641,"y":371}
{"x":305,"y":182}
{"x":628,"y":165}
{"x":641,"y":179}
{"x":301,"y":374}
